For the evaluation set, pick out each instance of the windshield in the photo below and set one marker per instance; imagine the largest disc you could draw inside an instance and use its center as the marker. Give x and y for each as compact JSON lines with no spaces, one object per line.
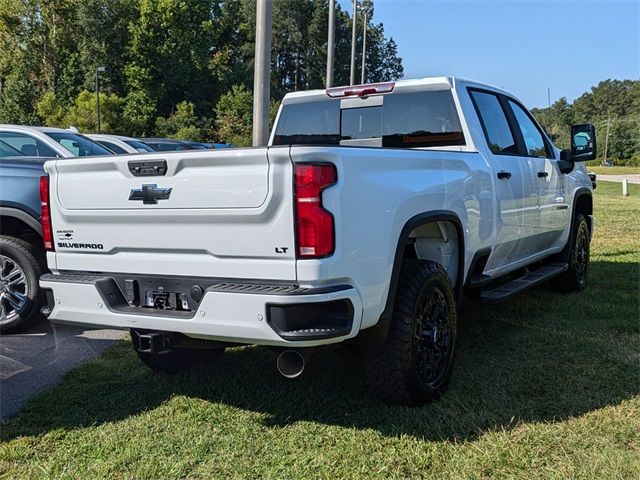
{"x":404,"y":120}
{"x":140,"y":146}
{"x":7,"y":150}
{"x":78,"y":145}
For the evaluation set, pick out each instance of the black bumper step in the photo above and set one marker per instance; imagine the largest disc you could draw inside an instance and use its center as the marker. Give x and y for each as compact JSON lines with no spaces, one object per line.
{"x":528,"y":280}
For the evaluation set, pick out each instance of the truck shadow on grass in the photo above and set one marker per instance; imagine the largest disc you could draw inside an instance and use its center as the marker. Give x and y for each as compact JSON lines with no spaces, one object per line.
{"x":541,"y":357}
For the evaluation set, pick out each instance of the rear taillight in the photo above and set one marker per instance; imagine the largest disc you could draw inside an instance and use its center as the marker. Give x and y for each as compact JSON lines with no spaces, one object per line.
{"x":45,"y":214}
{"x":314,"y":225}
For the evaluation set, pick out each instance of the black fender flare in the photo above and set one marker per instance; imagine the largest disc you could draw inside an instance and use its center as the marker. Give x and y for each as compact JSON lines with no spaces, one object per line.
{"x":378,"y":333}
{"x":23,"y":216}
{"x":579,"y":192}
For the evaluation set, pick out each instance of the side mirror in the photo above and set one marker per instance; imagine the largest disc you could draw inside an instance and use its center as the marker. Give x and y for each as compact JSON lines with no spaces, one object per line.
{"x":583,"y":142}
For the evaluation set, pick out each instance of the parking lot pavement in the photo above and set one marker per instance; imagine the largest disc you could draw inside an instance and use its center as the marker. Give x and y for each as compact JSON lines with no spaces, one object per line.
{"x":37,"y":359}
{"x":633,"y":178}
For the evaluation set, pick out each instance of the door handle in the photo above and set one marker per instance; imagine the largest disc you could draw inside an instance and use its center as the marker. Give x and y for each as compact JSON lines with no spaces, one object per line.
{"x":543,"y":174}
{"x":504,"y":175}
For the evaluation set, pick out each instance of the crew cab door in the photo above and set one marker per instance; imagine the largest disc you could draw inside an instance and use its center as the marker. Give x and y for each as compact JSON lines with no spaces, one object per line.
{"x":553,"y":209}
{"x":516,"y":193}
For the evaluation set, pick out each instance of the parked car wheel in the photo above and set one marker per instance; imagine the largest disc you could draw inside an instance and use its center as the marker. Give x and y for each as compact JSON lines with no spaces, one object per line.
{"x":175,"y":359}
{"x":414,"y":364}
{"x":19,"y":289}
{"x":575,"y":278}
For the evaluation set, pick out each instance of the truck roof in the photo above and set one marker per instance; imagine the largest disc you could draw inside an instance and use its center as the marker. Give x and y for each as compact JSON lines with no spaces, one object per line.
{"x":109,"y":135}
{"x":426,"y":83}
{"x":31,"y":128}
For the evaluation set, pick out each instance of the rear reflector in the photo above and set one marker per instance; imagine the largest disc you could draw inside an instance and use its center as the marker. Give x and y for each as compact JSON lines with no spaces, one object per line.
{"x":361,"y":90}
{"x":314,"y":225}
{"x":45,"y":214}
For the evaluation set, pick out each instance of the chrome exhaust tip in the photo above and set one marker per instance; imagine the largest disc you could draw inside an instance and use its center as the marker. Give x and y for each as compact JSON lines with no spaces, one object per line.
{"x":290,"y":363}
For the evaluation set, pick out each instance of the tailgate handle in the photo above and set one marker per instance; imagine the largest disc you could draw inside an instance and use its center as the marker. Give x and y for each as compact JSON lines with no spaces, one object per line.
{"x":147,"y":168}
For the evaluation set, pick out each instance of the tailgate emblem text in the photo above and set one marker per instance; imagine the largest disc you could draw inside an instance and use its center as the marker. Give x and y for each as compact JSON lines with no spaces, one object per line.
{"x":150,"y":194}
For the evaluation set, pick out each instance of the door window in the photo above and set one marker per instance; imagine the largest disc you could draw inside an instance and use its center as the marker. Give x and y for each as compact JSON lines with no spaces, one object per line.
{"x":27,"y":145}
{"x":78,"y":145}
{"x":117,"y":149}
{"x":495,"y":124}
{"x":534,"y":143}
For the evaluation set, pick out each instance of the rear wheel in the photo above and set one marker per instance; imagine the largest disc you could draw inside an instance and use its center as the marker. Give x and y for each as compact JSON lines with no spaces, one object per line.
{"x":19,"y":288}
{"x":176,"y":358}
{"x":414,"y":364}
{"x":577,"y":255}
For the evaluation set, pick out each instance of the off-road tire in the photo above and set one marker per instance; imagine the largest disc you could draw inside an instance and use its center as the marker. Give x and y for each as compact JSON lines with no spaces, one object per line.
{"x":577,"y":255}
{"x":396,"y":369}
{"x":21,"y":254}
{"x":176,"y":359}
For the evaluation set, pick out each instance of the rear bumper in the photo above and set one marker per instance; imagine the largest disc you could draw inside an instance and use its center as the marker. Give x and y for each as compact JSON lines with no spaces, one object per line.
{"x":230,"y":312}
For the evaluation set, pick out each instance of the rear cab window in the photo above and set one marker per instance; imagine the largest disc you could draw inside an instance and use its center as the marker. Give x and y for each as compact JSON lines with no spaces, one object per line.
{"x":399,"y":120}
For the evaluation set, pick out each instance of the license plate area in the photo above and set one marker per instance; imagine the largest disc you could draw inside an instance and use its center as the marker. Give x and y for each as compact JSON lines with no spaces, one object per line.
{"x":162,"y":300}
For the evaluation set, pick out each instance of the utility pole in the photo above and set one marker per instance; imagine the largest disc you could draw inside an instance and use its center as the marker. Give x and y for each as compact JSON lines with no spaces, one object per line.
{"x":331,"y":42}
{"x":352,"y":78}
{"x":606,"y":139}
{"x":549,"y":96}
{"x":262,"y":73}
{"x":364,"y":45}
{"x":99,"y":70}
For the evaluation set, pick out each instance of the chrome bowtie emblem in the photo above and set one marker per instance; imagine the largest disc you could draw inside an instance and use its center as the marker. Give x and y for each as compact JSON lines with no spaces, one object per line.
{"x":150,"y":194}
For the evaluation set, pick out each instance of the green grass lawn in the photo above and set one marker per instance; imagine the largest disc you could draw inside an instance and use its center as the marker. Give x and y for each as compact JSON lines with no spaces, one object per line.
{"x":545,"y":386}
{"x":614,"y":170}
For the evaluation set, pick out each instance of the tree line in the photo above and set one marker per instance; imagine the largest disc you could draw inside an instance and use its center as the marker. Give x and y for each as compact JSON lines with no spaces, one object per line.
{"x":179,"y":68}
{"x":613,"y":106}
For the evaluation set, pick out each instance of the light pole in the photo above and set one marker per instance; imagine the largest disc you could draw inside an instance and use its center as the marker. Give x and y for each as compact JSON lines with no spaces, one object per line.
{"x":331,"y":41}
{"x":262,"y":74}
{"x":352,"y":78}
{"x":99,"y":70}
{"x":364,"y":45}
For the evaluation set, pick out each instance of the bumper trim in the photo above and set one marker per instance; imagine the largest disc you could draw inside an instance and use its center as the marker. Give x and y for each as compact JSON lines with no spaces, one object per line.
{"x":115,"y":300}
{"x":238,"y":316}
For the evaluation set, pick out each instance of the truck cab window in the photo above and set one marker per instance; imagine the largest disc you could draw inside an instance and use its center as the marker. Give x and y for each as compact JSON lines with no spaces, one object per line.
{"x":421,"y":119}
{"x":405,"y":120}
{"x":361,"y":123}
{"x":533,"y":140}
{"x":309,"y":123}
{"x":495,"y":124}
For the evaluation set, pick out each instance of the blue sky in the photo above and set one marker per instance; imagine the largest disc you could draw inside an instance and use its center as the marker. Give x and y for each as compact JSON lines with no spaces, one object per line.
{"x":522,"y":46}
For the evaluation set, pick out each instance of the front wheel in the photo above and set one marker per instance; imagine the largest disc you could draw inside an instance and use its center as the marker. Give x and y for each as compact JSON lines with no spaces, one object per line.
{"x":414,"y":364}
{"x":575,"y":278}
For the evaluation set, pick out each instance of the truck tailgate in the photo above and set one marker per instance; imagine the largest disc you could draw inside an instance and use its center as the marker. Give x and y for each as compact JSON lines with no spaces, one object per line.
{"x":225,"y":214}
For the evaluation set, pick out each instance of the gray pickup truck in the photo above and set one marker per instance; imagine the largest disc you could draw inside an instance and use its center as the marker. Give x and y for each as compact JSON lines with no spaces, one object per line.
{"x":22,"y":256}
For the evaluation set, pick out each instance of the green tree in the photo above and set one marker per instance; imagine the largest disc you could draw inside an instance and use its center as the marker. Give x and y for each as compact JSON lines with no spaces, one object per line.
{"x":614,"y":101}
{"x":138,"y":113}
{"x":182,"y":124}
{"x":82,"y":114}
{"x":234,"y":116}
{"x":171,"y":44}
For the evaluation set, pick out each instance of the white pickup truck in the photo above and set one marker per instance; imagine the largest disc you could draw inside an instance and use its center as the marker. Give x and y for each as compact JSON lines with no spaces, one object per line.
{"x":371,"y":212}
